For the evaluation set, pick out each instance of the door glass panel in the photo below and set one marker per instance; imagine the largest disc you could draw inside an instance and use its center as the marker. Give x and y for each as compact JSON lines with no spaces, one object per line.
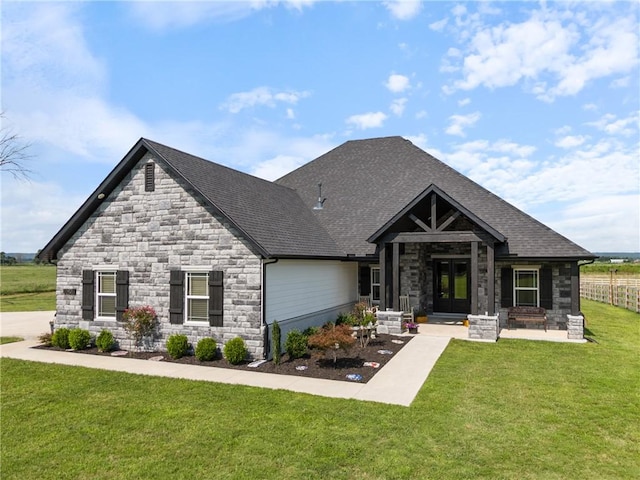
{"x":443,"y":279}
{"x":460,"y":286}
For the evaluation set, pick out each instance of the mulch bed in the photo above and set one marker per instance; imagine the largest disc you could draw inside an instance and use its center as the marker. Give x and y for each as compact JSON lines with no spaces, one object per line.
{"x":317,"y":364}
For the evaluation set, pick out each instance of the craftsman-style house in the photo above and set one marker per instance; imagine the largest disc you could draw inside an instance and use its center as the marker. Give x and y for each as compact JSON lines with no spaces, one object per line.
{"x":221,"y":253}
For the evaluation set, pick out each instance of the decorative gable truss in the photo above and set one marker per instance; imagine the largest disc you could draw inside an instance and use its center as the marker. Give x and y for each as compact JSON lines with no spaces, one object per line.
{"x":434,"y":216}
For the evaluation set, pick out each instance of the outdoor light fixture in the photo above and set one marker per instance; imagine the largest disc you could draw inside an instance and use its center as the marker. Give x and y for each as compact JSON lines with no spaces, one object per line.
{"x":320,"y":204}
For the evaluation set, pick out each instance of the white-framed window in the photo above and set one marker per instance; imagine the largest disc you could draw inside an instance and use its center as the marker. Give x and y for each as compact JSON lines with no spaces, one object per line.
{"x":106,"y":294}
{"x":375,"y":284}
{"x":526,"y":286}
{"x":197,"y":297}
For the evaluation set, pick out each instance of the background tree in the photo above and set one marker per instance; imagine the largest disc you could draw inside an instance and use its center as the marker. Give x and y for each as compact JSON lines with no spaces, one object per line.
{"x":13,"y":152}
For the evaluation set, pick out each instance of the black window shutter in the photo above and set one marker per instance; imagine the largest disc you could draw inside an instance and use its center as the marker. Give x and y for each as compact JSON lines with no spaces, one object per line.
{"x":365,"y":280}
{"x":216,"y":298}
{"x":546,"y":288}
{"x":149,"y":178}
{"x":176,"y":296}
{"x":88,"y":294}
{"x":506,"y":287}
{"x":122,"y":293}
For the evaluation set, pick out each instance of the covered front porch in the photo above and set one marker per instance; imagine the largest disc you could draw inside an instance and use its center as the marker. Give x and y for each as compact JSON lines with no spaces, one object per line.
{"x":440,"y":255}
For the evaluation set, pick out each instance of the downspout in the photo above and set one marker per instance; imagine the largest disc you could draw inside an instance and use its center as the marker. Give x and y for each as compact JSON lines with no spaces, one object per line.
{"x":263,"y":303}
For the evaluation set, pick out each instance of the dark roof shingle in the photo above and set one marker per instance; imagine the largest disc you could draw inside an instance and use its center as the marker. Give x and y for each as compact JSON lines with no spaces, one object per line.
{"x":367,"y":182}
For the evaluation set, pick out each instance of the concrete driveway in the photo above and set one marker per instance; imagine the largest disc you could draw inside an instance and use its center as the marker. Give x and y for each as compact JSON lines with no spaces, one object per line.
{"x":28,"y":325}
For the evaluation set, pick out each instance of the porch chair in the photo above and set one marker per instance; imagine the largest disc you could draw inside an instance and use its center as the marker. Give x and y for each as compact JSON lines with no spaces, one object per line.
{"x":407,"y":311}
{"x":366,"y":299}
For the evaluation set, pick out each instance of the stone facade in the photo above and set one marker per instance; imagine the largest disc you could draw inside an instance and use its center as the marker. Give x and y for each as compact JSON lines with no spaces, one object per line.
{"x":150,"y":233}
{"x":417,"y":276}
{"x":561,"y":275}
{"x":484,"y":327}
{"x":389,"y":322}
{"x":575,"y":327}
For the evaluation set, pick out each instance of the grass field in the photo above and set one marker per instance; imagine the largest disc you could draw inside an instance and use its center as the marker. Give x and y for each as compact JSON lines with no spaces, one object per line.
{"x":514,"y":409}
{"x":26,"y":288}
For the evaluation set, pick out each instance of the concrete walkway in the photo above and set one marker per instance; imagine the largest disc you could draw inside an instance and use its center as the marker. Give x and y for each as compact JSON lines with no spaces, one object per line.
{"x":397,"y":383}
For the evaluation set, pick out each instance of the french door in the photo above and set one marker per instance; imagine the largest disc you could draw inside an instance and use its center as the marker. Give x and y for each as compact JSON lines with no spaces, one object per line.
{"x":452,"y":285}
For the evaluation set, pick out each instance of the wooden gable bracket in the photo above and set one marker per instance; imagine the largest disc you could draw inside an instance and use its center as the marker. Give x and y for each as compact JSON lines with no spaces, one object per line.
{"x":453,"y":215}
{"x":420,"y":223}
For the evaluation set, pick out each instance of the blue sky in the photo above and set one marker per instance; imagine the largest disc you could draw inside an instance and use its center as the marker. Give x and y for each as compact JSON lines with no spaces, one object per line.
{"x":536,"y":101}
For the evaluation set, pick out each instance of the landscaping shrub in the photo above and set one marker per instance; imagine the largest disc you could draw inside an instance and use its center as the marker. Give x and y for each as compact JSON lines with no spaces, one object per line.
{"x":140,"y":322}
{"x":79,"y":339}
{"x":206,"y":349}
{"x":235,"y":350}
{"x":60,"y":338}
{"x":345,"y":319}
{"x":177,"y":345}
{"x":276,"y":342}
{"x":307,"y":332}
{"x":296,"y":344}
{"x":45,"y":339}
{"x":105,"y":341}
{"x":333,"y":338}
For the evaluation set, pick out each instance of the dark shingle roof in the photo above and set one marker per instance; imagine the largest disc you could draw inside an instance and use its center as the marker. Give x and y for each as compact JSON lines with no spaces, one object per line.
{"x":367,"y":182}
{"x":271,"y":215}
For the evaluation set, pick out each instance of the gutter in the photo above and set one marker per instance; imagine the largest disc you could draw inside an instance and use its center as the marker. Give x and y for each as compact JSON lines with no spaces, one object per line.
{"x":263,"y":290}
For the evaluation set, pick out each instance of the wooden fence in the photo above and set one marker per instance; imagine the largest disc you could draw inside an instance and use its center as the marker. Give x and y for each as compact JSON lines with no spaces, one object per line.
{"x":619,"y":290}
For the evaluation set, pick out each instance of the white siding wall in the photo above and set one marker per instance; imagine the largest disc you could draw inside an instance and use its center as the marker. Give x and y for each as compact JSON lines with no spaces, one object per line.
{"x":301,"y":287}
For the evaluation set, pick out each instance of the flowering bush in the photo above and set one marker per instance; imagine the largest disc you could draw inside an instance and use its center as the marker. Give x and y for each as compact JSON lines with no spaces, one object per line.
{"x":410,"y":325}
{"x":140,"y":322}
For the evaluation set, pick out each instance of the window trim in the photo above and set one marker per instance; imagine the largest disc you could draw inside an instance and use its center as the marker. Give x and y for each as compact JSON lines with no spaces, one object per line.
{"x":99,"y":271}
{"x":372,"y":268}
{"x":516,"y":288}
{"x":187,"y":278}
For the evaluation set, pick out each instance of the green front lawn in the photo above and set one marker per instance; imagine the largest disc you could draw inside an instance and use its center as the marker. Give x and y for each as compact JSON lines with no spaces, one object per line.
{"x":514,"y":409}
{"x":27,"y":288}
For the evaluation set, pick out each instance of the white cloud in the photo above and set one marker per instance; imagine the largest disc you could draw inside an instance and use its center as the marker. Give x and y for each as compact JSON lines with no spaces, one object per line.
{"x":464,"y":102}
{"x":397,"y":83}
{"x":610,"y":124}
{"x":612,"y":216}
{"x":573,"y":185}
{"x":555,"y":54}
{"x":620,"y":82}
{"x":459,"y":122}
{"x":277,"y":167}
{"x":165,"y":15}
{"x":38,"y":208}
{"x":421,"y":114}
{"x":367,"y":120}
{"x":403,"y":9}
{"x":419,"y":140}
{"x":398,"y":106}
{"x":439,"y":25}
{"x":570,"y":141}
{"x":260,"y":96}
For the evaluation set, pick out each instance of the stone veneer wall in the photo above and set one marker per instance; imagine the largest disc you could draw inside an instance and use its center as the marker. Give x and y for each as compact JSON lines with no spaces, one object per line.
{"x":149,"y":233}
{"x":561,"y":274}
{"x":416,"y":271}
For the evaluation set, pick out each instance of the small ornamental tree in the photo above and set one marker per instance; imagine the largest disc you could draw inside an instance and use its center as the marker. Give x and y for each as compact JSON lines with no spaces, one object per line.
{"x":140,"y":322}
{"x":276,"y":342}
{"x":332,"y":338}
